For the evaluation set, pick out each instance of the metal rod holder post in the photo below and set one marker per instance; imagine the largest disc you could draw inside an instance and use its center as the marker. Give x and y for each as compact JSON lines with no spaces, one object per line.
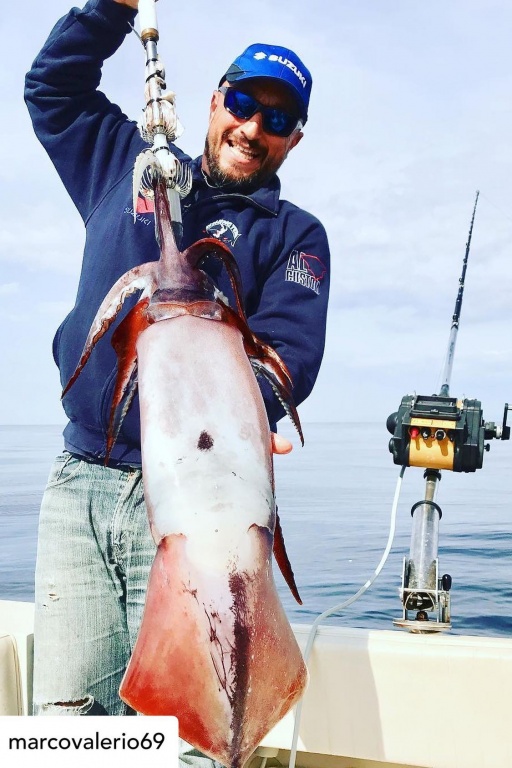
{"x":422,"y":591}
{"x":424,"y":539}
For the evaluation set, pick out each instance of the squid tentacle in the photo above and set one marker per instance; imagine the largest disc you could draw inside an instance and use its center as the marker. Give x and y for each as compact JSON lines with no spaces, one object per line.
{"x":211,"y":247}
{"x":139,"y":278}
{"x":266,"y":362}
{"x":283,"y":560}
{"x":117,"y":419}
{"x":124,"y":342}
{"x":255,"y":348}
{"x":284,"y":395}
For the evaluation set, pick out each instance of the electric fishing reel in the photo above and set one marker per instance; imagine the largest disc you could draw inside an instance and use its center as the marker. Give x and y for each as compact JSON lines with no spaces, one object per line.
{"x":437,"y":432}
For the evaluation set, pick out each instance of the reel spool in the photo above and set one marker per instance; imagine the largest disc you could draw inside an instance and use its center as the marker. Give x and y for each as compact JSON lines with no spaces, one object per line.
{"x":437,"y":432}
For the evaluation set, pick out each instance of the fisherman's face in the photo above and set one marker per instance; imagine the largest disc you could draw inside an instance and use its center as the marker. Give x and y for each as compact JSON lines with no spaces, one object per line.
{"x":240,"y":152}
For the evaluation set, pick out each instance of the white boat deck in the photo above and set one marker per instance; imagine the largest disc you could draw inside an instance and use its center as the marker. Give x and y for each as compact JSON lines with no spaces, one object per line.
{"x":376,"y":699}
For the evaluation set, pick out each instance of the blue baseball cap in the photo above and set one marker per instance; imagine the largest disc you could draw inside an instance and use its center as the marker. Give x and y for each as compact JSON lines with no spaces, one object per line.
{"x":277,"y":63}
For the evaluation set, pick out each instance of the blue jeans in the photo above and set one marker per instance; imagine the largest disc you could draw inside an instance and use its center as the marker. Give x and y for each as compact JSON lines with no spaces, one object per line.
{"x":95,"y":551}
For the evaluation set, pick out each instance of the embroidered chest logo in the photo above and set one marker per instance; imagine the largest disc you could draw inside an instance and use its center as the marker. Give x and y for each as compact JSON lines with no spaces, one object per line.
{"x":223,"y":230}
{"x":144,"y":207}
{"x":305,"y":269}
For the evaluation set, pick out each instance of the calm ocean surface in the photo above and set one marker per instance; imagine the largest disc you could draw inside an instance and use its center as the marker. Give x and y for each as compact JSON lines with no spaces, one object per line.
{"x":334,"y":497}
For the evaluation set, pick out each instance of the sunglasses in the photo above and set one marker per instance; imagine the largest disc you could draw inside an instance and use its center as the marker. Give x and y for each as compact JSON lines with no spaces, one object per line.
{"x":275,"y":121}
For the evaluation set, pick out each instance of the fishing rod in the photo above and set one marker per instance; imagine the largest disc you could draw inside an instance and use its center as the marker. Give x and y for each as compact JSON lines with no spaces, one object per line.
{"x":447,"y":373}
{"x":437,"y":432}
{"x":158,"y":126}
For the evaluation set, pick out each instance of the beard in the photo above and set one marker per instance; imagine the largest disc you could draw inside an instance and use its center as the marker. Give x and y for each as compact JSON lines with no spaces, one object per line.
{"x":240,"y":182}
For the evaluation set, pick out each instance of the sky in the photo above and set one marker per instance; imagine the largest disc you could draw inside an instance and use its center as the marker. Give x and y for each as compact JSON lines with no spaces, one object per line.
{"x":410,"y":114}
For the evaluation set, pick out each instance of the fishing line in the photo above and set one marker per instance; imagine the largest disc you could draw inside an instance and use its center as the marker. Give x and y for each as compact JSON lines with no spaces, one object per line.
{"x":137,"y":34}
{"x":341,"y":606}
{"x":505,"y":215}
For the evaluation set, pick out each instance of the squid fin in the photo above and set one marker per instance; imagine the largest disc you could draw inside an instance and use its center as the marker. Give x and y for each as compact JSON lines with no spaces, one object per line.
{"x":234,"y":675}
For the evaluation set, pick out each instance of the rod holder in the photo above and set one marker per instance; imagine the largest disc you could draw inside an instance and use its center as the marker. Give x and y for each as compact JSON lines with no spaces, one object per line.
{"x":423,"y":592}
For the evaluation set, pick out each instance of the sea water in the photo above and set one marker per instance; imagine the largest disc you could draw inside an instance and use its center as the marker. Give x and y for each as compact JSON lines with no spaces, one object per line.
{"x":334,"y":498}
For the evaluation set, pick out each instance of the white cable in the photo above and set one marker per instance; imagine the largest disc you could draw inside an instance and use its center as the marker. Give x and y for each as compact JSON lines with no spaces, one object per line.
{"x":341,"y":606}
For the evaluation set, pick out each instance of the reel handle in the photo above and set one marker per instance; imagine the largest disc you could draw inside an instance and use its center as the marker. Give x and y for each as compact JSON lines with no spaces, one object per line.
{"x":505,"y":431}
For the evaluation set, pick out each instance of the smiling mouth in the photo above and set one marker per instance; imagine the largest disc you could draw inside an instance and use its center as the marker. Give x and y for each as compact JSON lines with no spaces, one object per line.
{"x":243,"y":152}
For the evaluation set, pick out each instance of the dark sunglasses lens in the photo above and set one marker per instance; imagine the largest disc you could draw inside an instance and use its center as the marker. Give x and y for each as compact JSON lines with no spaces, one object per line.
{"x":240,"y":104}
{"x":275,"y":121}
{"x":279,"y":122}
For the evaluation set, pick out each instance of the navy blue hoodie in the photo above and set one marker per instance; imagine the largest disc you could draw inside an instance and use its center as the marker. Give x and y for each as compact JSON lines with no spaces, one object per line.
{"x":282,"y":251}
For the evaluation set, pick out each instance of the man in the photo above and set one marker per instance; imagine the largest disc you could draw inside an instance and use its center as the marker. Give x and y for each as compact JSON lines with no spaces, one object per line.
{"x":95,"y":549}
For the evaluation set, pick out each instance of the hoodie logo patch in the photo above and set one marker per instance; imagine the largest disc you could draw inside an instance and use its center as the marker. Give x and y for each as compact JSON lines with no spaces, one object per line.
{"x":305,"y":269}
{"x":223,"y":230}
{"x":144,"y":211}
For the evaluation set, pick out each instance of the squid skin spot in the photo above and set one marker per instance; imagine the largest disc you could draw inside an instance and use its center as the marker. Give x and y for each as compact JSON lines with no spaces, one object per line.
{"x":205,"y":442}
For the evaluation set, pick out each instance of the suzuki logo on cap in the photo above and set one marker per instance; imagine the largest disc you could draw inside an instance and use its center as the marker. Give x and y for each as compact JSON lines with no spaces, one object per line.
{"x":284,"y":62}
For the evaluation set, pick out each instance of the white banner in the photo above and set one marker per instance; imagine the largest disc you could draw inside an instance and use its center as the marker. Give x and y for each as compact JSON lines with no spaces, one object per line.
{"x":133,"y":742}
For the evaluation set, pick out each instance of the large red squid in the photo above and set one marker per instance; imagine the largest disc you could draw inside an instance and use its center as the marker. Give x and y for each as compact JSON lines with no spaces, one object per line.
{"x":215,"y":647}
